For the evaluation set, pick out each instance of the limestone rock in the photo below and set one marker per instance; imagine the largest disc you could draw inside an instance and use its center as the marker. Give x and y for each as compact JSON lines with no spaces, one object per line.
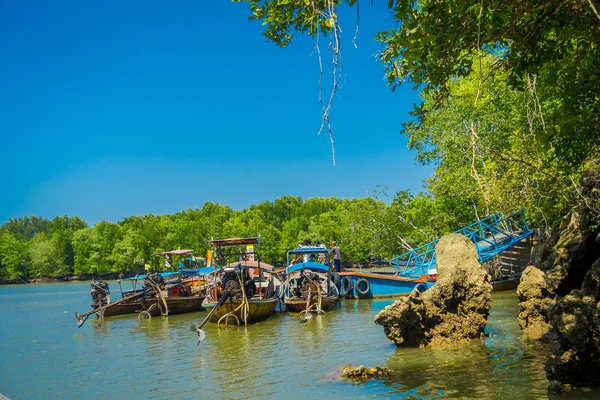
{"x":455,"y":309}
{"x":534,"y":301}
{"x":361,"y":372}
{"x":576,"y":320}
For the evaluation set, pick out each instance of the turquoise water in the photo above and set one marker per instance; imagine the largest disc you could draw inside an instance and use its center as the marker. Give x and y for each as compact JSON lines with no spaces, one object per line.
{"x":44,"y":355}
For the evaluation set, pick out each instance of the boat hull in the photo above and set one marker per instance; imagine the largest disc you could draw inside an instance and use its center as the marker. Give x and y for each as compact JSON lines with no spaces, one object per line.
{"x":298,"y":305}
{"x":381,"y":286}
{"x":258,"y":310}
{"x":176,"y":305}
{"x":122,"y":309}
{"x":508,"y":283}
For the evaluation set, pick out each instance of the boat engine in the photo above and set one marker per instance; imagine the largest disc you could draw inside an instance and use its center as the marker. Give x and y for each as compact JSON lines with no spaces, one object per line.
{"x":156,"y":278}
{"x":231,"y":282}
{"x":305,"y":283}
{"x":100,"y":293}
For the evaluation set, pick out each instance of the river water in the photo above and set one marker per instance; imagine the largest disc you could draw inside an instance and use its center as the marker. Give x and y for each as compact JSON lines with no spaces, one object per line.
{"x":44,"y":355}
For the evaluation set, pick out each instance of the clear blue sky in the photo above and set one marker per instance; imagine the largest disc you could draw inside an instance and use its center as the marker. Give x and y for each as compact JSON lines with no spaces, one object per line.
{"x":110,"y":109}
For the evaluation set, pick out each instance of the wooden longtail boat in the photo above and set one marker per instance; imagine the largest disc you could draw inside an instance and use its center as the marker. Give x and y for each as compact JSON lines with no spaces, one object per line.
{"x":251,"y":289}
{"x":258,"y":310}
{"x":310,"y":286}
{"x":160,"y":294}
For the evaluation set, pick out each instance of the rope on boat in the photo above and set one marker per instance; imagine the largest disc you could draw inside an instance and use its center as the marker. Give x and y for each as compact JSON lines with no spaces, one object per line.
{"x":316,"y":307}
{"x":159,"y":298}
{"x":244,"y":307}
{"x":145,"y":314}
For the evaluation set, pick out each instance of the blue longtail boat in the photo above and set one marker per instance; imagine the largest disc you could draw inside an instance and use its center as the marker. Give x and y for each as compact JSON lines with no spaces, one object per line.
{"x":416,"y":269}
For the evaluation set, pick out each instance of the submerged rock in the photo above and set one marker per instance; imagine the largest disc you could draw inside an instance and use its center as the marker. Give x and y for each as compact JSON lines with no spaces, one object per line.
{"x":361,"y":372}
{"x":455,"y":309}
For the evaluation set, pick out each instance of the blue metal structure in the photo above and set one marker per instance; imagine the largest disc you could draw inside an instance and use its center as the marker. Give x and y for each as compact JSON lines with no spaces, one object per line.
{"x":491,"y":236}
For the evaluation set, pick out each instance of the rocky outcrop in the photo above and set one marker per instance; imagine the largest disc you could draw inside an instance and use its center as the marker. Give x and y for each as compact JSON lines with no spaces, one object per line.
{"x":361,"y":372}
{"x":534,"y":300}
{"x":455,"y":309}
{"x":565,"y":258}
{"x":575,"y":318}
{"x":560,"y":299}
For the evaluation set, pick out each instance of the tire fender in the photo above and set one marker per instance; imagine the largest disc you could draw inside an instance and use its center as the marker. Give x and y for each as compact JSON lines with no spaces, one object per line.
{"x":363,"y":287}
{"x":347,"y":286}
{"x":421,"y":287}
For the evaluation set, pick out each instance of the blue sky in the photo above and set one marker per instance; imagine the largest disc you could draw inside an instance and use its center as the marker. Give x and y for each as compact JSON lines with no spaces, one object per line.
{"x":111,"y":109}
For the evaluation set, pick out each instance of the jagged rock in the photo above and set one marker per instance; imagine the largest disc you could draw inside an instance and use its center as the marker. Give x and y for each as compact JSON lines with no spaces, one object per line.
{"x":455,"y":309}
{"x":361,"y":372}
{"x":567,"y":285}
{"x":576,"y":320}
{"x":534,"y":301}
{"x":563,"y":270}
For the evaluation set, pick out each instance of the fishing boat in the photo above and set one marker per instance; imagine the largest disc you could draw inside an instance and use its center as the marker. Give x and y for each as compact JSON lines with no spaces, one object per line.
{"x":164,"y":293}
{"x":416,"y":269}
{"x":381,"y":279}
{"x":241,"y":289}
{"x":310,"y":285}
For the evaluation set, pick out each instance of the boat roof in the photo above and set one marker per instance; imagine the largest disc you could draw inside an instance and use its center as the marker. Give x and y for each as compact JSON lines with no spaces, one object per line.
{"x":309,"y":250}
{"x":307,"y":265}
{"x":186,"y":272}
{"x":198,"y":271}
{"x":176,"y":252}
{"x":163,"y":274}
{"x":234,"y":241}
{"x":250,"y":264}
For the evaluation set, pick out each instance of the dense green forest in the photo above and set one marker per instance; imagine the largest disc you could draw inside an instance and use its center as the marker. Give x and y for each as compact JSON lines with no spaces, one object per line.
{"x":36,"y":247}
{"x":365,"y":228}
{"x":509,"y":118}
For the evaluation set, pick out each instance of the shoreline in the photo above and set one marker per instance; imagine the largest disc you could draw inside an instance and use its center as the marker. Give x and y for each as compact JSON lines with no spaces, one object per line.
{"x":63,"y":279}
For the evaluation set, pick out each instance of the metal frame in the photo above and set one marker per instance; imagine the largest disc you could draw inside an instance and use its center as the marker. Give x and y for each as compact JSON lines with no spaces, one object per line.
{"x":491,"y":236}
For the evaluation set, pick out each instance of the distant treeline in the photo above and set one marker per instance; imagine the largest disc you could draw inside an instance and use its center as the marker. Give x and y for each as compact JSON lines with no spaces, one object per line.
{"x":366,"y":229}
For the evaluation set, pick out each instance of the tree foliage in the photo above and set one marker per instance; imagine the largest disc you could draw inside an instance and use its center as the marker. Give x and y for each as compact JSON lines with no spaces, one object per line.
{"x":366,"y":229}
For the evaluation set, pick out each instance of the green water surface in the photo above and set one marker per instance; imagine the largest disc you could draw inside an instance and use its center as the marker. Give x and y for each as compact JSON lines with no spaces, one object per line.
{"x":44,"y":356}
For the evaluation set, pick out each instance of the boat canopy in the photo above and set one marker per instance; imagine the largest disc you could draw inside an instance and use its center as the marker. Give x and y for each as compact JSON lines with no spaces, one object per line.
{"x":307,"y":265}
{"x":163,"y":274}
{"x":309,"y":250}
{"x":234,"y":242}
{"x":195,"y":259}
{"x":198,"y":271}
{"x":173,"y":252}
